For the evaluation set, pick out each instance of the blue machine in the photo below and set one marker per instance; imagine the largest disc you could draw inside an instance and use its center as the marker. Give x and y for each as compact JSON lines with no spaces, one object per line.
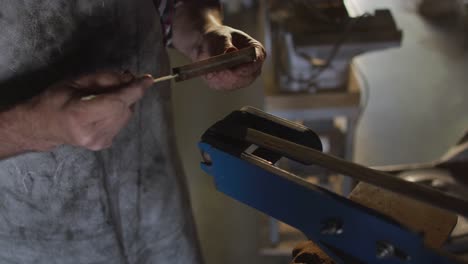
{"x":346,"y":231}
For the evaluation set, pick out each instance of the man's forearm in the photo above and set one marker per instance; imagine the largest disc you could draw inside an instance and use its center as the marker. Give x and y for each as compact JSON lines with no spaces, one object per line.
{"x":192,"y":19}
{"x":24,"y":129}
{"x":11,"y":143}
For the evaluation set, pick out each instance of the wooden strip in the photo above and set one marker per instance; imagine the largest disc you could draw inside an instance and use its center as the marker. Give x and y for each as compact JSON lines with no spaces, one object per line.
{"x":435,"y":224}
{"x":356,"y":171}
{"x":312,"y":101}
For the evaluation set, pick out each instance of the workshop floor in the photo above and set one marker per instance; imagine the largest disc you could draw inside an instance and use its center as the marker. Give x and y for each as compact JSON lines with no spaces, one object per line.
{"x":417,"y":108}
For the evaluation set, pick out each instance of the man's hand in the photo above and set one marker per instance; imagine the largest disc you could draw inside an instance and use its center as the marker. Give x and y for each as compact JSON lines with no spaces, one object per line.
{"x":219,"y":39}
{"x":200,"y":34}
{"x":60,"y":115}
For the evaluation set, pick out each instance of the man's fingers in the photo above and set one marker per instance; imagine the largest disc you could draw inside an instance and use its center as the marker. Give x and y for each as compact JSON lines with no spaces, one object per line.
{"x":103,"y":79}
{"x":234,"y":79}
{"x":230,"y":48}
{"x":104,"y":105}
{"x":248,"y":70}
{"x":127,"y":77}
{"x":135,"y":90}
{"x":102,"y":133}
{"x":112,"y":129}
{"x":227,"y":80}
{"x":242,"y":40}
{"x":260,"y":51}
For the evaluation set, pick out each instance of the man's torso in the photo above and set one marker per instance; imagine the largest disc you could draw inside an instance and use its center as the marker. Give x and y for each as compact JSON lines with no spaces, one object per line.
{"x":72,"y":205}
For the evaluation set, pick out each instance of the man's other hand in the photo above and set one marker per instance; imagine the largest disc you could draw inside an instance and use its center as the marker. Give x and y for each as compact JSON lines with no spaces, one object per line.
{"x":66,"y":114}
{"x":220,"y":39}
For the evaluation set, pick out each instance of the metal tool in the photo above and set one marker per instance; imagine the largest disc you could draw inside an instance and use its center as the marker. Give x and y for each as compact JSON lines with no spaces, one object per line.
{"x":241,"y":150}
{"x":216,"y":63}
{"x":213,"y":64}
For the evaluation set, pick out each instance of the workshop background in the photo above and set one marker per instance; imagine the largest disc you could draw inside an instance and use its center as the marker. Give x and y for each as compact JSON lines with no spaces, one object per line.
{"x":416,"y":107}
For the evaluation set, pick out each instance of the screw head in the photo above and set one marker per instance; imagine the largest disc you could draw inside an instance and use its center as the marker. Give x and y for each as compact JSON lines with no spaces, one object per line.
{"x":385,"y":250}
{"x":332,"y":227}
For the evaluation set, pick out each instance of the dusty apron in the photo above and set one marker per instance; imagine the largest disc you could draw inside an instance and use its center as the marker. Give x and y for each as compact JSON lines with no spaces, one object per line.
{"x":124,"y":205}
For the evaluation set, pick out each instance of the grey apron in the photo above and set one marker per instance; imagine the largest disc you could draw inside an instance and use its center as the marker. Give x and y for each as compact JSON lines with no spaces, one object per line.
{"x":127,"y":204}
